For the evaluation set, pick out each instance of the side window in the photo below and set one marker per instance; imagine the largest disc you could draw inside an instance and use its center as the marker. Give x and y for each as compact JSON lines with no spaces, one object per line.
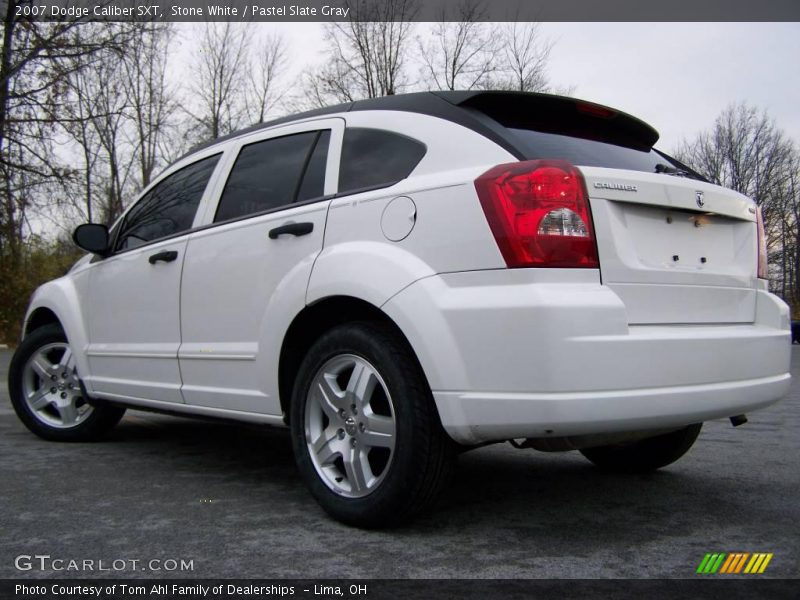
{"x":266,"y":175}
{"x":313,"y":185}
{"x":374,"y":158}
{"x":168,"y":208}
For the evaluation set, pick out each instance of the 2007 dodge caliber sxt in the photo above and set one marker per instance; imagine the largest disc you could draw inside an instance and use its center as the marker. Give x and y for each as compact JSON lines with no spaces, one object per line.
{"x":402,"y":278}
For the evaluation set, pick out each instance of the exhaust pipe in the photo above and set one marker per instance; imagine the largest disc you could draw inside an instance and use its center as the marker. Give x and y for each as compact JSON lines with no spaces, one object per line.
{"x":738,"y":420}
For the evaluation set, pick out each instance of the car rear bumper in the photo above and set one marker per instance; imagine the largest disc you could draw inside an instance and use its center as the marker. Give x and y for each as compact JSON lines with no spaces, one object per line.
{"x":549,"y":353}
{"x":472,"y":418}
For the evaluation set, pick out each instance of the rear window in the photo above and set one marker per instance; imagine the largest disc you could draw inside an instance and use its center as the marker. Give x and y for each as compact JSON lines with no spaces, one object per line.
{"x":587,"y":153}
{"x":373,"y":158}
{"x":582,"y":133}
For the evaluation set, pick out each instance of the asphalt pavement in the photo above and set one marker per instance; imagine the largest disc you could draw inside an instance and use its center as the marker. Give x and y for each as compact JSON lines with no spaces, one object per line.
{"x":227,"y":501}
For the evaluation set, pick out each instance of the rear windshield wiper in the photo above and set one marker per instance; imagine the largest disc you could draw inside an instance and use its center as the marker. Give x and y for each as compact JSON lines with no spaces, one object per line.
{"x":662,"y":168}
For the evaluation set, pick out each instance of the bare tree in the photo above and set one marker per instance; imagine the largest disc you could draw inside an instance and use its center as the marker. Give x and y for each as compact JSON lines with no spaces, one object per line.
{"x":265,"y":78}
{"x":470,"y":54}
{"x":80,"y":107}
{"x":109,"y":124}
{"x":220,"y":79}
{"x":100,"y":113}
{"x":366,"y":54}
{"x":117,"y":106}
{"x":461,"y":53}
{"x":788,"y":255}
{"x":151,"y":98}
{"x":525,"y":55}
{"x":35,"y":60}
{"x":746,"y":152}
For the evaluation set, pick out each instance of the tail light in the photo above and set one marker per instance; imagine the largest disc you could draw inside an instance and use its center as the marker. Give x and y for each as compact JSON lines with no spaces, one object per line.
{"x":763,"y":269}
{"x":538,"y":212}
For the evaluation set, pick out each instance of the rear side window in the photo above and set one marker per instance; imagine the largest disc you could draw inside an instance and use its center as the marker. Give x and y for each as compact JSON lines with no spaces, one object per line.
{"x":268,"y":174}
{"x":373,"y":158}
{"x":169,"y":208}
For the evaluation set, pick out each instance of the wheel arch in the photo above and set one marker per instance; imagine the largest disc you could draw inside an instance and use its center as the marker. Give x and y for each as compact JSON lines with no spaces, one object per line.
{"x":312,"y":322}
{"x":56,"y":302}
{"x":38,"y":318}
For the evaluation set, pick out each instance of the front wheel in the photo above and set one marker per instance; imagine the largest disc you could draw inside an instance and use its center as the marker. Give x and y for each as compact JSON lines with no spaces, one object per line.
{"x":46,"y":393}
{"x":367,"y":438}
{"x":644,"y":455}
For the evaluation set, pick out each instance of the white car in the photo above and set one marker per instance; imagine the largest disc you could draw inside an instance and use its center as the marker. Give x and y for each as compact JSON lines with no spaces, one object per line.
{"x":401,"y":278}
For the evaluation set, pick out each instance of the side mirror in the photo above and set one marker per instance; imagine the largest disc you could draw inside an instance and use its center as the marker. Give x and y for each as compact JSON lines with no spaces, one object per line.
{"x":92,"y":237}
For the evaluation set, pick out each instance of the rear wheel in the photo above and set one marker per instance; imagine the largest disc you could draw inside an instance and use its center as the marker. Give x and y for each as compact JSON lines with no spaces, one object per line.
{"x":644,"y":455}
{"x":366,"y":434}
{"x":46,"y":393}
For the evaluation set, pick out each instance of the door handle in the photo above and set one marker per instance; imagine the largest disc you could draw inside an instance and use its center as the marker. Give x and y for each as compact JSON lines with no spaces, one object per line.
{"x":296,"y":229}
{"x":166,"y":256}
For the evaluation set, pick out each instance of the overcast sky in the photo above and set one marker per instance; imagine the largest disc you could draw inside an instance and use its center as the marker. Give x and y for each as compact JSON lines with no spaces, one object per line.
{"x":679,"y":76}
{"x":675,"y":76}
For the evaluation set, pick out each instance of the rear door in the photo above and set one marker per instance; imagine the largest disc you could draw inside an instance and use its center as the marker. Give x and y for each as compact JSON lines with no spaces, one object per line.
{"x":264,"y":234}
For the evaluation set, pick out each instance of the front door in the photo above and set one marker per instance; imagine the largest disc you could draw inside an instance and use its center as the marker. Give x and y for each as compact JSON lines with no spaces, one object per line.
{"x":133,"y":295}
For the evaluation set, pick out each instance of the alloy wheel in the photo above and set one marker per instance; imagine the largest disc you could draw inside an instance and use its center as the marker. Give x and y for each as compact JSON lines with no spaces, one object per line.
{"x":350,"y":426}
{"x":51,"y":388}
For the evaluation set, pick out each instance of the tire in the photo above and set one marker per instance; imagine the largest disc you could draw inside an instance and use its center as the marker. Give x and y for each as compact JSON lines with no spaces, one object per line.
{"x":376,"y":454}
{"x":46,"y":393}
{"x":644,"y":455}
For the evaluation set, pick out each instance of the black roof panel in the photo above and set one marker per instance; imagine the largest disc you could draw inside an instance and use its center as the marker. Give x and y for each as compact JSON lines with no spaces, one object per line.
{"x":503,"y":109}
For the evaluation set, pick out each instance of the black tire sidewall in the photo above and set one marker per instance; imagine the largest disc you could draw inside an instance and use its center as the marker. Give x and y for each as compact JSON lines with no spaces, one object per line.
{"x":103,"y":416}
{"x":414,"y":423}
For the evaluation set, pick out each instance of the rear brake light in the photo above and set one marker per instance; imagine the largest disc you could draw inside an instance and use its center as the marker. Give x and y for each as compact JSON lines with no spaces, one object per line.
{"x":538,"y":211}
{"x":595,"y":110}
{"x":763,"y":268}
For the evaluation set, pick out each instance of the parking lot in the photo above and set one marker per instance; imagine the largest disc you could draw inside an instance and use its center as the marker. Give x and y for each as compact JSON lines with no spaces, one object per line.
{"x":228,"y":499}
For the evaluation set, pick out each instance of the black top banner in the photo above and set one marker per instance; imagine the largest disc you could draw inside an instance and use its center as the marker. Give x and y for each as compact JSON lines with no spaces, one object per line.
{"x":403,"y":10}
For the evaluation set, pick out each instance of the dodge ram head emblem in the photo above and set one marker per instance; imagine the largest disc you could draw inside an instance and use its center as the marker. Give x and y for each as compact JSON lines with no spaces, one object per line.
{"x":699,"y":196}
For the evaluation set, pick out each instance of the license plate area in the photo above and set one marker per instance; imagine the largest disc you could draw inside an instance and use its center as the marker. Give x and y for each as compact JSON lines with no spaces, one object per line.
{"x":638,"y":243}
{"x":680,"y":239}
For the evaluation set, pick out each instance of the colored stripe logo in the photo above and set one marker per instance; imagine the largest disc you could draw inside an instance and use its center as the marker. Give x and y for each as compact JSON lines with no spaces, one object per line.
{"x":734,"y":563}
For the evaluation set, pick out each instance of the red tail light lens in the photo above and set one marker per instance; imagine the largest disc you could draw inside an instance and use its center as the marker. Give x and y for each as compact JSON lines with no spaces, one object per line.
{"x":538,"y":211}
{"x":763,"y":267}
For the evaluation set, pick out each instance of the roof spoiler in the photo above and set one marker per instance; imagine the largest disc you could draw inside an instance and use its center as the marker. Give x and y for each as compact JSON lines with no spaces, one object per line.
{"x":557,"y":114}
